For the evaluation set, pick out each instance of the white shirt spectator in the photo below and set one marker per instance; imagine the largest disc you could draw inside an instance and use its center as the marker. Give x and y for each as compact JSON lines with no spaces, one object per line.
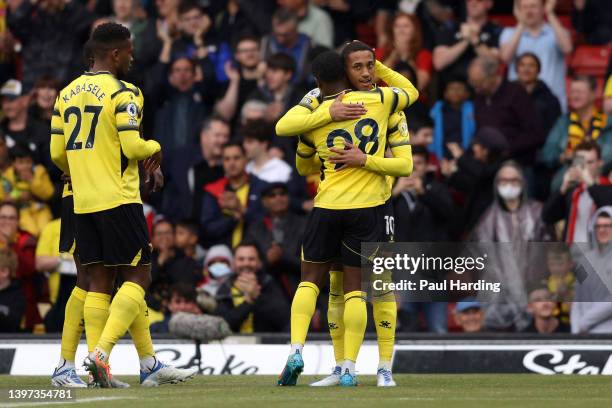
{"x":275,"y":170}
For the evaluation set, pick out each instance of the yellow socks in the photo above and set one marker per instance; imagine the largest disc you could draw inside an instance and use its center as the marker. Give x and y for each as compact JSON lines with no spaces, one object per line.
{"x":302,"y":309}
{"x":385,"y":318}
{"x":95,"y":313}
{"x":335,"y":314}
{"x":355,"y":320}
{"x":73,"y":323}
{"x":124,"y":310}
{"x":141,"y":335}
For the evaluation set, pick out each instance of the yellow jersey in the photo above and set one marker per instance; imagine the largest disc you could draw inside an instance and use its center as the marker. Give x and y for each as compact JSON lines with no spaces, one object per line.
{"x":358,"y":187}
{"x":95,"y":138}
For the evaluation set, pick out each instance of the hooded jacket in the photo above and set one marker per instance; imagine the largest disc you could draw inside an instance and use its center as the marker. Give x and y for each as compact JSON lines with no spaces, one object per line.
{"x":592,"y":307}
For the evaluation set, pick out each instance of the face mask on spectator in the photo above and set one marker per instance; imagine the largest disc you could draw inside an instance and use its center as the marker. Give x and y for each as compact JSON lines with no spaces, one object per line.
{"x":219,"y":270}
{"x":509,"y":191}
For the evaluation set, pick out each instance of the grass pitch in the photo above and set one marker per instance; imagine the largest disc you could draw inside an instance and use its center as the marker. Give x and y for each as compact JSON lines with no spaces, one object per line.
{"x":429,"y":391}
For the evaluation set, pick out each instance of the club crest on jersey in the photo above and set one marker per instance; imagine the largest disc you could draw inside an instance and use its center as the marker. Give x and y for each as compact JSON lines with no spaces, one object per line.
{"x":315,"y":93}
{"x":306,"y":100}
{"x":131,"y":109}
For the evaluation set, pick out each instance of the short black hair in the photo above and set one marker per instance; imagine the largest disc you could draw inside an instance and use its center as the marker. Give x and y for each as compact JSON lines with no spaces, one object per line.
{"x":21,"y":151}
{"x":187,"y":6}
{"x":207,"y":123}
{"x":284,"y":15}
{"x":355,"y":46}
{"x":420,"y":122}
{"x":245,"y":36}
{"x":282,"y":61}
{"x":190,"y":225}
{"x":587,"y":146}
{"x":234,"y":143}
{"x":328,"y":67}
{"x":189,"y":60}
{"x":403,"y":66}
{"x":258,"y":129}
{"x":418,"y":150}
{"x":249,"y":243}
{"x":106,"y":37}
{"x":184,"y":290}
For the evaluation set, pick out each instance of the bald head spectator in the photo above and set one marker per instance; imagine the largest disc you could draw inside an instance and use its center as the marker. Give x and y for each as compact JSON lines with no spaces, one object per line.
{"x":539,"y":31}
{"x":505,"y":106}
{"x":285,"y":37}
{"x":314,"y":21}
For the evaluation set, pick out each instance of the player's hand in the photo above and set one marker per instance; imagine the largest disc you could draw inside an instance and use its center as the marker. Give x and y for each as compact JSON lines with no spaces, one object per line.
{"x":155,"y":181}
{"x":345,"y":111}
{"x":350,"y":156}
{"x":152,"y":163}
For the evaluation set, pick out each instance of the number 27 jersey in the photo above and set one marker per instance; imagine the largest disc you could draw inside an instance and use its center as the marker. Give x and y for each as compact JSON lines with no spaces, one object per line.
{"x":355,"y":187}
{"x":91,"y":113}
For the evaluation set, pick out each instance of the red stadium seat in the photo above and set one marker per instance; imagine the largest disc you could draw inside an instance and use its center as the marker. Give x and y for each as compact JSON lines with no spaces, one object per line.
{"x":504,"y":20}
{"x":590,"y":60}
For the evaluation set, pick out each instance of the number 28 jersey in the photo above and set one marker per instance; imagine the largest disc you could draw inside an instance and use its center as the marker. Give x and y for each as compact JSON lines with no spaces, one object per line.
{"x":350,"y":188}
{"x":91,"y":114}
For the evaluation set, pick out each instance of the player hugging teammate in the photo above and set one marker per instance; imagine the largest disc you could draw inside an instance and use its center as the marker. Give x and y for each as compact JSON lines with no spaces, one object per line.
{"x":348,"y":143}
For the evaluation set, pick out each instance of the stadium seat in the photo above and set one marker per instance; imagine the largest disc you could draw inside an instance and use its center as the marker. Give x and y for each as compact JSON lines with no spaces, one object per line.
{"x":504,"y":20}
{"x":590,"y":60}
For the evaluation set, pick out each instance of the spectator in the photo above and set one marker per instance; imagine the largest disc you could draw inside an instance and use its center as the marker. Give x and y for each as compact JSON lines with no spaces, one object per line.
{"x":286,"y":38}
{"x":169,"y":265}
{"x":314,"y":21}
{"x":252,"y":301}
{"x":277,"y":90}
{"x":469,"y":315}
{"x":528,"y":67}
{"x":129,"y":13}
{"x":472,"y":174}
{"x":592,"y":307}
{"x":550,"y":41}
{"x":422,"y":205}
{"x":214,"y":134}
{"x":507,"y":107}
{"x":542,"y":309}
{"x":19,"y":127}
{"x":51,"y":34}
{"x":512,"y":217}
{"x":406,"y":45}
{"x":12,"y":302}
{"x":561,"y":280}
{"x":182,"y":299}
{"x":5,"y":159}
{"x":231,"y":203}
{"x":45,"y":91}
{"x":607,"y":103}
{"x":62,"y":274}
{"x":421,"y":134}
{"x":345,"y":15}
{"x":243,"y":17}
{"x":583,"y":123}
{"x":176,"y":122}
{"x":257,"y":140}
{"x":253,"y":110}
{"x":454,"y":119}
{"x":243,"y":78}
{"x":29,"y":187}
{"x":186,"y":237}
{"x":459,"y":43}
{"x":278,"y":236}
{"x":217,"y":269}
{"x":578,"y":195}
{"x":24,"y":245}
{"x":593,"y":19}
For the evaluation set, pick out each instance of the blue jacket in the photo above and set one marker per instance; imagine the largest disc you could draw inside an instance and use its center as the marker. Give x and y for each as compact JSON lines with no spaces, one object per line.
{"x":468,"y":127}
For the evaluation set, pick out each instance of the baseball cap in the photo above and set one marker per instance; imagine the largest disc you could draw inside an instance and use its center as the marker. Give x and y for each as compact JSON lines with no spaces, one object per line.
{"x":467,"y":303}
{"x":12,"y":88}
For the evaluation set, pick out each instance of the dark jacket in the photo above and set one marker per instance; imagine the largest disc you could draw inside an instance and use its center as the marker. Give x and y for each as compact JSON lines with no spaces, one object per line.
{"x":425,"y":217}
{"x":547,"y":106}
{"x":52,"y":42}
{"x":270,"y":310}
{"x":511,"y":111}
{"x":12,"y":308}
{"x":289,"y":237}
{"x":179,"y":268}
{"x":217,"y":227}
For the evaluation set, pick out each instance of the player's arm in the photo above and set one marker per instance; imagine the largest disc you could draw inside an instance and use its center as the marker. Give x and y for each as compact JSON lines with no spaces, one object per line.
{"x":306,"y":158}
{"x":406,"y":92}
{"x":128,"y":115}
{"x":400,"y":164}
{"x":58,"y":143}
{"x":309,"y":114}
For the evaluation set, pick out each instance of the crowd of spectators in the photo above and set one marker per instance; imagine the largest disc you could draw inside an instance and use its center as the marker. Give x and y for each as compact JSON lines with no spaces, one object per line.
{"x":510,"y":145}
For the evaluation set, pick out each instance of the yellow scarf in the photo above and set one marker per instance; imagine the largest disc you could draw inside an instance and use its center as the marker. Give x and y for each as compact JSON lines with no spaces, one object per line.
{"x":579,"y":131}
{"x":238,"y":299}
